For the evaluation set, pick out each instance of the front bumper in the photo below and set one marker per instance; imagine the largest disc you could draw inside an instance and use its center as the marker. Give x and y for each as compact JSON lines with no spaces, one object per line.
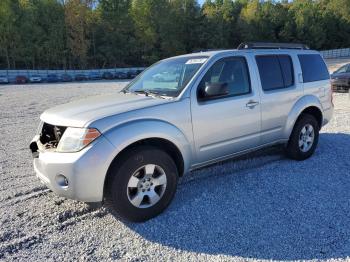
{"x":340,"y":84}
{"x":85,"y":170}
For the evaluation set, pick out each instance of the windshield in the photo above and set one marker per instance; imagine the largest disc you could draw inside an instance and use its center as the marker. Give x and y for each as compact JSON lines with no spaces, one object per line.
{"x":167,"y":77}
{"x":343,"y":69}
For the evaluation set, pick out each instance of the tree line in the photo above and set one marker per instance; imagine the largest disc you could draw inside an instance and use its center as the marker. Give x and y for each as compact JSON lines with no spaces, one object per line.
{"x":81,"y":34}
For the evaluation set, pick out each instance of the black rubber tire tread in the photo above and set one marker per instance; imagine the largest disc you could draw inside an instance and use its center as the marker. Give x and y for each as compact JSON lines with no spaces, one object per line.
{"x":119,"y":175}
{"x":292,"y":150}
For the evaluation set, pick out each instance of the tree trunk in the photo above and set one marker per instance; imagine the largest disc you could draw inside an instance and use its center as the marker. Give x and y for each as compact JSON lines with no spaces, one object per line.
{"x":8,"y":58}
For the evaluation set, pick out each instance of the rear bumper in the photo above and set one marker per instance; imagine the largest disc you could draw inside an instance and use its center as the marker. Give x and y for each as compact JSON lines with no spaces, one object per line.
{"x":85,"y":171}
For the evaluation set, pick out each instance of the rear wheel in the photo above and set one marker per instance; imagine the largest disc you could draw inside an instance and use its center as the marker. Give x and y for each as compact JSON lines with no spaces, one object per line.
{"x":142,"y":184}
{"x":304,"y":138}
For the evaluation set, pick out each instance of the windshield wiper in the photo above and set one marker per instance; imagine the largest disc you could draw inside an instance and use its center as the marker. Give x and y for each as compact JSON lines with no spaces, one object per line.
{"x":150,"y":93}
{"x":146,"y":92}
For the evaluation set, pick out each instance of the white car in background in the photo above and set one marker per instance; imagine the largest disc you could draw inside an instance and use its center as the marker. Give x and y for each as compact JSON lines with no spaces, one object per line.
{"x":4,"y":79}
{"x":35,"y":79}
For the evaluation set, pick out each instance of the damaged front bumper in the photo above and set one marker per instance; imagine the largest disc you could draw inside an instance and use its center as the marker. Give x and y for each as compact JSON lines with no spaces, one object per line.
{"x":80,"y":175}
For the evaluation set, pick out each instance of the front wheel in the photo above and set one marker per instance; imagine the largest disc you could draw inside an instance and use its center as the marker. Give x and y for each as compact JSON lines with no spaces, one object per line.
{"x":304,"y":138}
{"x":143,"y":183}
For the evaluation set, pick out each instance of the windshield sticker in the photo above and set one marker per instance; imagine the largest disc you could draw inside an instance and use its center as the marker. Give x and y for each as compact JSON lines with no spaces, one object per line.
{"x":196,"y":61}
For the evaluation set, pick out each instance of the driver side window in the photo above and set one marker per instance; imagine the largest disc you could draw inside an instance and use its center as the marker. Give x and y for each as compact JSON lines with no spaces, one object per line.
{"x":231,"y":72}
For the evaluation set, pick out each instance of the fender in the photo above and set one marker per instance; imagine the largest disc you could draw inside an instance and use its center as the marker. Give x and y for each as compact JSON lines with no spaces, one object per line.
{"x":300,"y":106}
{"x":128,"y":133}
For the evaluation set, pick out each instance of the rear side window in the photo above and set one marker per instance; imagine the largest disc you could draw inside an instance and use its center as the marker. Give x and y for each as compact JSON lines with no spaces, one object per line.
{"x":276,"y":71}
{"x":313,"y":68}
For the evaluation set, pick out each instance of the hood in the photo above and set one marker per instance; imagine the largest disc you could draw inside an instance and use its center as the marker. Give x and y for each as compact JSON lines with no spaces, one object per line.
{"x":81,"y":112}
{"x":340,"y":76}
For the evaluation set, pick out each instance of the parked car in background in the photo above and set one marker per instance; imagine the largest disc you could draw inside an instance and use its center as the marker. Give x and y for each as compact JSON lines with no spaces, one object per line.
{"x":130,"y":148}
{"x":94,"y":76}
{"x":107,"y":75}
{"x":21,"y":79}
{"x":139,"y":71}
{"x":66,"y":78}
{"x":165,"y":77}
{"x":52,"y":78}
{"x":120,"y":75}
{"x":35,"y":79}
{"x":341,"y":78}
{"x":4,"y":79}
{"x":80,"y":77}
{"x":132,"y":74}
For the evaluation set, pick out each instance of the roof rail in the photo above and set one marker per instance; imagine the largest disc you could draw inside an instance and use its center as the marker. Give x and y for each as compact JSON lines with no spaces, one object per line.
{"x":265,"y":45}
{"x":205,"y":50}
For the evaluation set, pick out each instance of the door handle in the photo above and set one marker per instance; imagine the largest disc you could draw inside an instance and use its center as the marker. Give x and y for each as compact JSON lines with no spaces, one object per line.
{"x":251,"y":104}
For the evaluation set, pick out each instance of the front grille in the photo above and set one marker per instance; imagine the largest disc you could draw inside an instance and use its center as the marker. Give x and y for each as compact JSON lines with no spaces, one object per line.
{"x":50,"y":135}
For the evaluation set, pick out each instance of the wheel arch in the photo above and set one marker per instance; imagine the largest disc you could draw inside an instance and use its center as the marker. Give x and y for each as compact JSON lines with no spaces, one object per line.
{"x":306,"y":105}
{"x":315,"y":112}
{"x":154,"y":133}
{"x":156,"y":142}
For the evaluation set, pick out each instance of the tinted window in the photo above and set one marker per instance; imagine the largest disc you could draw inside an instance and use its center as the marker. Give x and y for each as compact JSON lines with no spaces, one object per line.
{"x":270,"y":72}
{"x":313,"y":68}
{"x":287,"y":70}
{"x":232,"y":71}
{"x":276,"y":71}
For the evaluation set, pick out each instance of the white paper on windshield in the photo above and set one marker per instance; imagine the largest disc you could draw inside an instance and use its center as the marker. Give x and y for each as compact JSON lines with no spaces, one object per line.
{"x":196,"y":61}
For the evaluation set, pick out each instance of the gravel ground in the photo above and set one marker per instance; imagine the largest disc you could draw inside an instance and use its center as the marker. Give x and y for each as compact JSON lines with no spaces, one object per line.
{"x":260,"y":207}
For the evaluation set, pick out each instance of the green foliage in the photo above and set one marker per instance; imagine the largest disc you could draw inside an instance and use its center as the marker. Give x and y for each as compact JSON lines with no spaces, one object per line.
{"x":62,"y":34}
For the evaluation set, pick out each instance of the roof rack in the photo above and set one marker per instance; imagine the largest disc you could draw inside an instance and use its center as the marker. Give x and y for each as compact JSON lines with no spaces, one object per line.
{"x":205,"y":50}
{"x":265,"y":45}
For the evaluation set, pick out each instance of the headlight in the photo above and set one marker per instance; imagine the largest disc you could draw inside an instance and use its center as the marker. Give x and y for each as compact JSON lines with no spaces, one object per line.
{"x":74,"y":139}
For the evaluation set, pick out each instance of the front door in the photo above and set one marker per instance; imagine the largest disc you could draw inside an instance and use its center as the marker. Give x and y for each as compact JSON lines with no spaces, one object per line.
{"x":227,"y":124}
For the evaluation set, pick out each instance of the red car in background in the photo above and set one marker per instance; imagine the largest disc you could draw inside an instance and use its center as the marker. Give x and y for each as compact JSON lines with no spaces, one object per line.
{"x":21,"y":80}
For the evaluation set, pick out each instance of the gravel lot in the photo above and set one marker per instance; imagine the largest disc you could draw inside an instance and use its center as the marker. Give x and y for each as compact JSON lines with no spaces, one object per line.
{"x":259,"y":207}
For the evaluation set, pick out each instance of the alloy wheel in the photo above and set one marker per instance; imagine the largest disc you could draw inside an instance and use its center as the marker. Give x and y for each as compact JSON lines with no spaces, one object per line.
{"x":146,"y":186}
{"x":306,"y":138}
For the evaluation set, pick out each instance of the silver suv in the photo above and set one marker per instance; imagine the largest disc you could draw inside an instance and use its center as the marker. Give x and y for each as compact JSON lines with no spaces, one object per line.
{"x":182,"y":113}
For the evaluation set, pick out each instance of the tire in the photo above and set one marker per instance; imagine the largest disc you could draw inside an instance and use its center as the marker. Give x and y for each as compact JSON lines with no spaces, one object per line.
{"x":294,"y":148}
{"x":130,"y":180}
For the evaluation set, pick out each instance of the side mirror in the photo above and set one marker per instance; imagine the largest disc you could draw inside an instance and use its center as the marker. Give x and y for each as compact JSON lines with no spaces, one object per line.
{"x":214,"y":90}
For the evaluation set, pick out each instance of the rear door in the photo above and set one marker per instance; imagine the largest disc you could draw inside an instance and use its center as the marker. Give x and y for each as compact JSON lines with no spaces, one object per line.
{"x":278,"y":74}
{"x":229,"y":124}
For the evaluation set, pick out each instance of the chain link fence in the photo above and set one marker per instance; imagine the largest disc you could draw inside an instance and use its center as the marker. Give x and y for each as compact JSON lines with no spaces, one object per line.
{"x":12,"y":74}
{"x":336,"y":53}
